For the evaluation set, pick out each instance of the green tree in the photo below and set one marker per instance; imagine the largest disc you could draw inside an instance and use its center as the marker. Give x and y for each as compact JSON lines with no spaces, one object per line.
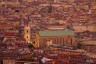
{"x":79,"y":45}
{"x":30,"y":46}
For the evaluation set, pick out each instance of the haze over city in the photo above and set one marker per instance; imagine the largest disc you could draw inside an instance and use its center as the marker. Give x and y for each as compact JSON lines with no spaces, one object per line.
{"x":47,"y":31}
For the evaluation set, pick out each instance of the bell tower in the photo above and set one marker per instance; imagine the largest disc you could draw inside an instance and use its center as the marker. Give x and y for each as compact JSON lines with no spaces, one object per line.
{"x":27,"y":34}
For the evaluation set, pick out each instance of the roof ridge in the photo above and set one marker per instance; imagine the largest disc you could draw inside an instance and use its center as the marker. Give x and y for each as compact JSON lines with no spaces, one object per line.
{"x":57,"y":33}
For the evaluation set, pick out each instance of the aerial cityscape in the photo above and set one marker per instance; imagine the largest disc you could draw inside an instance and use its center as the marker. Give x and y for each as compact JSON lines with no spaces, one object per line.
{"x":47,"y":31}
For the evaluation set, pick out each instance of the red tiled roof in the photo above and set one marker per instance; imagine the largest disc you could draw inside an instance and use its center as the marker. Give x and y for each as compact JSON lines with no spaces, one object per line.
{"x":10,"y":33}
{"x":19,"y":39}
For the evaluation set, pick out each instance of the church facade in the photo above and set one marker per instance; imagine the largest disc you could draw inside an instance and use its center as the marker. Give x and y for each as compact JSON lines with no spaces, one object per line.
{"x":49,"y":37}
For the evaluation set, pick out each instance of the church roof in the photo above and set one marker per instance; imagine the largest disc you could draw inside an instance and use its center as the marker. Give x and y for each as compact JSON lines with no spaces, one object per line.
{"x":66,"y":32}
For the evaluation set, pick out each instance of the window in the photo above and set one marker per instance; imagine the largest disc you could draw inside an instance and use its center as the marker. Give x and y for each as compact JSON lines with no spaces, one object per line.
{"x":27,"y":37}
{"x":27,"y":31}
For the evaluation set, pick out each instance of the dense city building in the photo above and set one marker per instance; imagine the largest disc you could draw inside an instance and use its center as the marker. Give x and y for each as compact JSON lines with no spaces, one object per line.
{"x":32,"y":29}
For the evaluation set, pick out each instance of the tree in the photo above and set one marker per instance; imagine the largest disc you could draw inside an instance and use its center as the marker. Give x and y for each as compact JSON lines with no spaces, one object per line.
{"x":79,"y":45}
{"x":49,"y":9}
{"x":30,"y":46}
